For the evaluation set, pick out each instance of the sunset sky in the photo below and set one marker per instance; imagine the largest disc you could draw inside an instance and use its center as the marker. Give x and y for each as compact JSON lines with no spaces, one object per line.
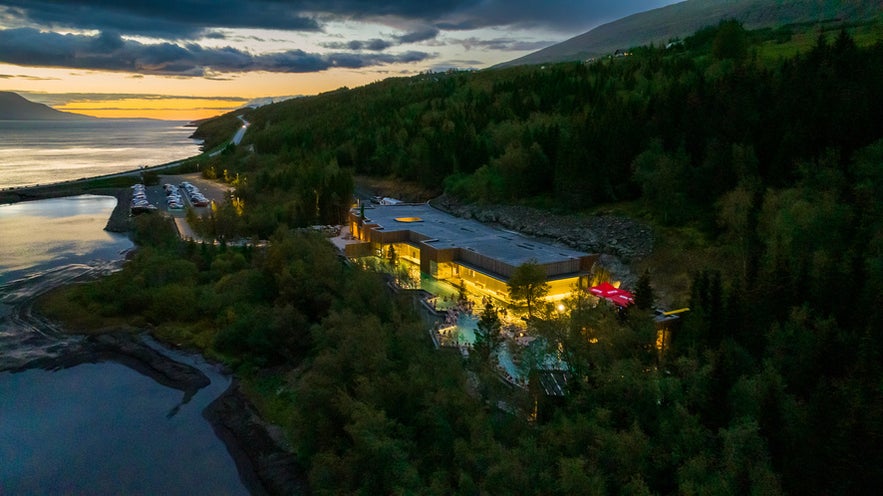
{"x":188,"y":59}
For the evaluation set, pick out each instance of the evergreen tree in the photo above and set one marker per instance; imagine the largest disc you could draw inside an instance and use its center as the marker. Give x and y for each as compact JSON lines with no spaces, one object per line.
{"x":731,"y":41}
{"x":644,"y":292}
{"x":487,"y":336}
{"x":528,"y":284}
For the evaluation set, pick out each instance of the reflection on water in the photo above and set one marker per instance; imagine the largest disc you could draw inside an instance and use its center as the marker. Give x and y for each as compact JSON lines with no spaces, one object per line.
{"x":39,"y":152}
{"x":38,"y":234}
{"x":106,"y":429}
{"x":93,"y":428}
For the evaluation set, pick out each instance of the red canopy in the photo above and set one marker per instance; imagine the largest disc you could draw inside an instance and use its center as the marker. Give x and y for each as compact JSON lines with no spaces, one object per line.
{"x":618,"y":296}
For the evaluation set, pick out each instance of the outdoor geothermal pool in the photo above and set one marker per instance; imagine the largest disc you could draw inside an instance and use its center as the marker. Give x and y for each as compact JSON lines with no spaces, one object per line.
{"x":465,"y":332}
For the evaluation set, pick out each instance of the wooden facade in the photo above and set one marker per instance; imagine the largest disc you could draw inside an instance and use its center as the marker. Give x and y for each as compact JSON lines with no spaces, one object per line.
{"x":482,"y":271}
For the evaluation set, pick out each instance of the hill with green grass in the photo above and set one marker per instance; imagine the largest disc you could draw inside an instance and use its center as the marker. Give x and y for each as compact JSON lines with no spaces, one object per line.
{"x":660,"y":26}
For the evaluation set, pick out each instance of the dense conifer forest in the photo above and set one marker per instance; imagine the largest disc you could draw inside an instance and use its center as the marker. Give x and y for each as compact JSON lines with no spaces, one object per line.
{"x":772,"y":385}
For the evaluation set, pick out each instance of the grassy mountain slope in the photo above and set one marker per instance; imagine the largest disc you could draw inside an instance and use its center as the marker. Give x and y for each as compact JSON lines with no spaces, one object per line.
{"x":14,"y":107}
{"x":681,"y":19}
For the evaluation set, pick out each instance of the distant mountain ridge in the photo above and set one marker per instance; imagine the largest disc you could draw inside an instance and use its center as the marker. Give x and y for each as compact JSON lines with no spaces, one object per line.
{"x":14,"y":107}
{"x":683,"y":19}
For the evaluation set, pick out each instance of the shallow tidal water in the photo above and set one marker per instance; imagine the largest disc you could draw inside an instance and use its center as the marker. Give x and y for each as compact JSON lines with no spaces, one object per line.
{"x":93,"y":428}
{"x":106,"y":429}
{"x":48,"y":234}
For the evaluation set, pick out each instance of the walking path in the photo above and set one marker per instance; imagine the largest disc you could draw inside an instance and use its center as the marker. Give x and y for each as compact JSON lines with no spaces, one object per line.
{"x":185,"y":231}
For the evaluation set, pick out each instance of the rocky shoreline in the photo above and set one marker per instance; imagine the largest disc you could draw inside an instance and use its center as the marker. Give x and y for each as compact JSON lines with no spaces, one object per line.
{"x":120,"y":220}
{"x":126,"y":349}
{"x":265,"y":465}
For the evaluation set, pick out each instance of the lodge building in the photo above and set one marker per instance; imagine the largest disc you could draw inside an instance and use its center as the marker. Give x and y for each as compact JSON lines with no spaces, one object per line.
{"x":459,"y":250}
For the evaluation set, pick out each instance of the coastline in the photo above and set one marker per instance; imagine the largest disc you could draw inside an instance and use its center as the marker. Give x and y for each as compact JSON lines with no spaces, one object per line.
{"x":126,"y":349}
{"x":99,"y":184}
{"x":59,"y":190}
{"x":119,"y":220}
{"x":264,"y":465}
{"x":103,"y":184}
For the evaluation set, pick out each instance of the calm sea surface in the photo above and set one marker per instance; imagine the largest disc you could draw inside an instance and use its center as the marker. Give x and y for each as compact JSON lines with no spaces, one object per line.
{"x":40,"y":235}
{"x":93,"y":428}
{"x":37,"y":152}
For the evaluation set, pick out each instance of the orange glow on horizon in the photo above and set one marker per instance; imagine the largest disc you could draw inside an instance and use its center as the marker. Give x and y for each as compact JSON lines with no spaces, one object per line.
{"x":165,"y":109}
{"x":222,"y":94}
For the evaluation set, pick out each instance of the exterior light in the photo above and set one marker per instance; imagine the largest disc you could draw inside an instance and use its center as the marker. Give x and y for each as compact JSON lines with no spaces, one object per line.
{"x":560,"y":307}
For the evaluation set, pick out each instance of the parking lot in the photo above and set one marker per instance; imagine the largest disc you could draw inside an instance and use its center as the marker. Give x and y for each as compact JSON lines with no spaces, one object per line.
{"x":213,"y":190}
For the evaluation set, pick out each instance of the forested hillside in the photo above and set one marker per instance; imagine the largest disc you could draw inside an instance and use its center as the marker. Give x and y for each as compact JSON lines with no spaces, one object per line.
{"x":681,"y":19}
{"x":708,"y":113}
{"x":772,"y":385}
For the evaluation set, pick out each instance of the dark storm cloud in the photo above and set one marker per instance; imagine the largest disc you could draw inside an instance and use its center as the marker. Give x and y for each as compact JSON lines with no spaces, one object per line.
{"x":376,"y":45}
{"x":108,"y":51}
{"x":175,"y":19}
{"x":358,"y":60}
{"x":379,"y":45}
{"x":187,"y":19}
{"x":417,"y":36}
{"x":182,"y":19}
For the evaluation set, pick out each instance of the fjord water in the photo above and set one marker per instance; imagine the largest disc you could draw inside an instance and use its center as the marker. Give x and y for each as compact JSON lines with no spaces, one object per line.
{"x":93,"y":428}
{"x":39,"y":152}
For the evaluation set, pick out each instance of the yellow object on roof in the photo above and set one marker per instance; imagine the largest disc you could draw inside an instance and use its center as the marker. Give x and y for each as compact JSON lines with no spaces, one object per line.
{"x":675,"y":312}
{"x":408,"y":219}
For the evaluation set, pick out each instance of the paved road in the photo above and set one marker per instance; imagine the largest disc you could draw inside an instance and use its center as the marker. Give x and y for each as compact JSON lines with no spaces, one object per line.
{"x":237,"y":138}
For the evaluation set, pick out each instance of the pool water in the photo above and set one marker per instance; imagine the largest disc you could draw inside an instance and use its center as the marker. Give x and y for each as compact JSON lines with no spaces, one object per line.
{"x":466,"y":325}
{"x":445,"y":294}
{"x":531,"y":354}
{"x":465,"y":332}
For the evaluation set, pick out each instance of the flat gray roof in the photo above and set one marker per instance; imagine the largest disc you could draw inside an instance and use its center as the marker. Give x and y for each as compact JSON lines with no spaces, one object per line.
{"x":447,"y":231}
